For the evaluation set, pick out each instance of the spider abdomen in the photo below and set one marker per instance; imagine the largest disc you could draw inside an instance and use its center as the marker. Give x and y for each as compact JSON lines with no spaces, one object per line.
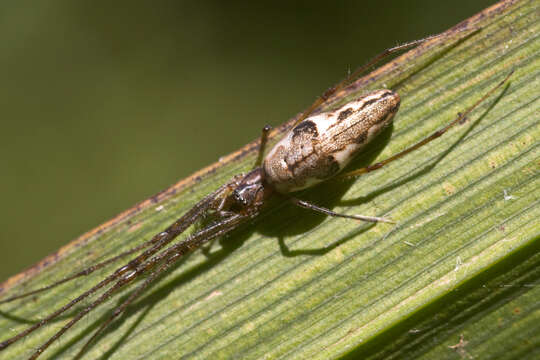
{"x":322,"y":145}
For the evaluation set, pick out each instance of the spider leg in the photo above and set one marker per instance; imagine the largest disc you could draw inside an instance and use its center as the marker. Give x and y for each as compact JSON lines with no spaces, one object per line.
{"x":262,"y":147}
{"x":159,"y":241}
{"x":83,"y":272}
{"x":310,"y":206}
{"x":167,"y":258}
{"x":355,"y":74}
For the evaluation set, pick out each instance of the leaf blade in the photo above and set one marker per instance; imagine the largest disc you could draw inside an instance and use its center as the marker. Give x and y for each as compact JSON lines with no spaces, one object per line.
{"x":331,"y":285}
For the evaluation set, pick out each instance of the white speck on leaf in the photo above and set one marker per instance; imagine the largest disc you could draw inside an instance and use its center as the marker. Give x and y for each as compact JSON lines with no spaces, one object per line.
{"x":507,"y":197}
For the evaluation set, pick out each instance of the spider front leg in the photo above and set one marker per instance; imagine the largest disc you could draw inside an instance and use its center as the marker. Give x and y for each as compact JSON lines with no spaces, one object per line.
{"x":156,"y":266}
{"x":148,"y":249}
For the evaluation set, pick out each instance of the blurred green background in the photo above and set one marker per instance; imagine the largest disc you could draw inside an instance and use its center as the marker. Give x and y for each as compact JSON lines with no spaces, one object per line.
{"x":103,"y":104}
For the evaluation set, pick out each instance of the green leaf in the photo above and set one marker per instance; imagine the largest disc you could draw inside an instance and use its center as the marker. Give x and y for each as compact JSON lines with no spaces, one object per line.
{"x":456,"y":277}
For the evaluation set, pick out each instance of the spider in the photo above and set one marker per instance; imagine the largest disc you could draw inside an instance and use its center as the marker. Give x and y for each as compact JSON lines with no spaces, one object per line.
{"x":316,"y":148}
